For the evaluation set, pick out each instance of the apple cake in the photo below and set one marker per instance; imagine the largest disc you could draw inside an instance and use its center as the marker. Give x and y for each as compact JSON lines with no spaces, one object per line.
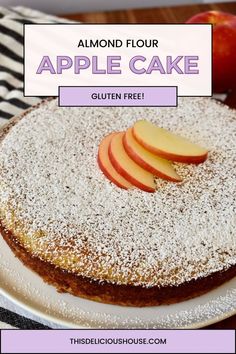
{"x":81,"y":233}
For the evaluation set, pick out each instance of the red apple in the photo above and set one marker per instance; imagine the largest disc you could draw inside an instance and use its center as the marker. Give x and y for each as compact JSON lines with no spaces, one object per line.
{"x":224,"y":47}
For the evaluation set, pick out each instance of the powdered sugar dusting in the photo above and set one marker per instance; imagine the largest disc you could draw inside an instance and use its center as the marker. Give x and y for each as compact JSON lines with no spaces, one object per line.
{"x":68,"y":213}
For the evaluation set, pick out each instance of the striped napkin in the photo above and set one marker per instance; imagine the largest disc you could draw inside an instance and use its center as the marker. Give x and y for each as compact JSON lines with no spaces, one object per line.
{"x":12,"y":102}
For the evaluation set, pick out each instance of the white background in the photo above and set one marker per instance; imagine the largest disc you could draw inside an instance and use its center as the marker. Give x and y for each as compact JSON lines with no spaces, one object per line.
{"x":174,"y":40}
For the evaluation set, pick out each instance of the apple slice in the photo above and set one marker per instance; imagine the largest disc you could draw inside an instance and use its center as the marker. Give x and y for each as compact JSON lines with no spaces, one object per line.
{"x":150,"y":162}
{"x":106,"y":166}
{"x":167,"y":145}
{"x":124,"y":165}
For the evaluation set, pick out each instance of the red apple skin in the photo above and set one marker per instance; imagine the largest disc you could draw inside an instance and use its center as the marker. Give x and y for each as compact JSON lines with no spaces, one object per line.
{"x":105,"y":170}
{"x":127,"y":176}
{"x":144,"y":164}
{"x":224,"y":47}
{"x":107,"y":174}
{"x":170,"y":156}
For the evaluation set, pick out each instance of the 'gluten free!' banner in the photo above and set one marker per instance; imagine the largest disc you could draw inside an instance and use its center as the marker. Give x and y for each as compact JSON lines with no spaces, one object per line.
{"x":118,"y":65}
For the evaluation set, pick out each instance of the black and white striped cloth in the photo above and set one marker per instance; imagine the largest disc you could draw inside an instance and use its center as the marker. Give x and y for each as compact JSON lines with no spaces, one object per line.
{"x":13,"y":102}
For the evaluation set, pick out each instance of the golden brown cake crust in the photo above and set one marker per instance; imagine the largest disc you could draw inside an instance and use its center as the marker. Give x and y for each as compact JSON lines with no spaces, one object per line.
{"x":125,"y":295}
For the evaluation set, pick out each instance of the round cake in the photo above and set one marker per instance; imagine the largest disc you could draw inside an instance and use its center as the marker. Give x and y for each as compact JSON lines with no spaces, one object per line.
{"x":64,"y":219}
